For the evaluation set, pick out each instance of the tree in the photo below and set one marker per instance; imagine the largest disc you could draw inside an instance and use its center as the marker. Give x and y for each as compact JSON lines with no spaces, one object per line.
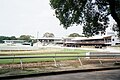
{"x":48,"y":35}
{"x":13,"y":38}
{"x":75,"y":35}
{"x":25,"y":37}
{"x":115,"y":28}
{"x":2,"y":38}
{"x":7,"y":38}
{"x":93,"y":14}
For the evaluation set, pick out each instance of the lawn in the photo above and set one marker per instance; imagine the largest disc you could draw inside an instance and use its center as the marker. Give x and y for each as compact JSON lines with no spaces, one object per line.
{"x":48,"y":52}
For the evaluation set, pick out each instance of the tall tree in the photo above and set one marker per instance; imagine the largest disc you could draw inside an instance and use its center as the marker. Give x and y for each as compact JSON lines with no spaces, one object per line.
{"x":48,"y":35}
{"x":93,"y":14}
{"x":7,"y":38}
{"x":25,"y":37}
{"x":75,"y":35}
{"x":13,"y":38}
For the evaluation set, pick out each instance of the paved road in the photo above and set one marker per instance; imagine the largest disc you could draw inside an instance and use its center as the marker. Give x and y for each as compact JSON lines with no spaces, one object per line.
{"x":98,"y":75}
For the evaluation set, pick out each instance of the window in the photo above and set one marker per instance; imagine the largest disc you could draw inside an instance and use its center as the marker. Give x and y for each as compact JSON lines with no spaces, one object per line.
{"x":112,"y":39}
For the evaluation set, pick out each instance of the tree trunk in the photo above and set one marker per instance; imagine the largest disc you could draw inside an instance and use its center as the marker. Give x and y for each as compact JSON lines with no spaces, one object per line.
{"x":114,"y":14}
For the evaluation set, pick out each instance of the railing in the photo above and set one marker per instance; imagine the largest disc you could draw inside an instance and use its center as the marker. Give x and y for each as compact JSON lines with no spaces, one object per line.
{"x":93,"y":55}
{"x":98,"y":56}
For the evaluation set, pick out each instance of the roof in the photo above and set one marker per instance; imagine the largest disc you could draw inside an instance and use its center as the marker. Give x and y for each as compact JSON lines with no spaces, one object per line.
{"x":13,"y":40}
{"x":48,"y":38}
{"x":94,"y":37}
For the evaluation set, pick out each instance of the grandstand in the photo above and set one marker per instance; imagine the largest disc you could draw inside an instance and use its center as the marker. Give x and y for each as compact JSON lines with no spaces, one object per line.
{"x":98,"y":41}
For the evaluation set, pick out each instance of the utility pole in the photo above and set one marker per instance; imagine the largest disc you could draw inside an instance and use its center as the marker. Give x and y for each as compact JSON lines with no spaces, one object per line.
{"x":37,"y":38}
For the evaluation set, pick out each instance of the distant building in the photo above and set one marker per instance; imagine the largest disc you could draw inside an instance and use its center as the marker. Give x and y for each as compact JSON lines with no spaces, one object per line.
{"x":16,"y":42}
{"x":47,"y":41}
{"x":91,"y":41}
{"x":101,"y":40}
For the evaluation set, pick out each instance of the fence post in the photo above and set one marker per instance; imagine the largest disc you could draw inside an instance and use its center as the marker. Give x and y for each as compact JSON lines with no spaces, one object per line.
{"x":55,"y":62}
{"x":21,"y":64}
{"x":100,"y":61}
{"x":13,"y":59}
{"x":80,"y":61}
{"x":116,"y":59}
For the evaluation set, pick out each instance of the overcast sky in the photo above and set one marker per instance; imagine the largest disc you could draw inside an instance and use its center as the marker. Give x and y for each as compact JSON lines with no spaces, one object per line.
{"x":18,"y":17}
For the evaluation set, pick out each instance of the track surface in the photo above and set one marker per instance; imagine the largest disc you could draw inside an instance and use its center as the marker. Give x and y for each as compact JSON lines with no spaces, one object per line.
{"x":96,"y":75}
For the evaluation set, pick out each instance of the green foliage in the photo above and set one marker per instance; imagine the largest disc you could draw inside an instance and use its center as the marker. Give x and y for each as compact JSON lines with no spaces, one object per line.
{"x":22,"y":37}
{"x":25,"y":37}
{"x":7,"y":38}
{"x":75,"y":35}
{"x":93,"y":14}
{"x":48,"y":35}
{"x":13,"y":38}
{"x":68,"y":11}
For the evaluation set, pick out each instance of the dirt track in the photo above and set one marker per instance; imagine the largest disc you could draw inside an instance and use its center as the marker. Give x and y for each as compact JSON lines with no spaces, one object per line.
{"x":66,"y":63}
{"x":97,"y":75}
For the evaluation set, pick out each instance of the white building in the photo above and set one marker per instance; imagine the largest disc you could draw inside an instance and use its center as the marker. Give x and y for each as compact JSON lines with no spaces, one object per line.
{"x":115,"y":40}
{"x":16,"y":42}
{"x":109,"y":38}
{"x":13,"y":41}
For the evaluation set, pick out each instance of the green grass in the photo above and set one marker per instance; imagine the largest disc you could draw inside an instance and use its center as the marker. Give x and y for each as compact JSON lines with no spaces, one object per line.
{"x":9,"y":61}
{"x":60,"y":52}
{"x":73,"y":50}
{"x":116,"y":47}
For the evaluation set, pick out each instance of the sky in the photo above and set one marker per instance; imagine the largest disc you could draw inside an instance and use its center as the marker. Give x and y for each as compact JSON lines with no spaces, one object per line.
{"x":29,"y":17}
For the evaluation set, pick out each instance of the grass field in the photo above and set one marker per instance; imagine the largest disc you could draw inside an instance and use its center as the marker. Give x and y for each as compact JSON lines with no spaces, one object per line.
{"x":42,"y":52}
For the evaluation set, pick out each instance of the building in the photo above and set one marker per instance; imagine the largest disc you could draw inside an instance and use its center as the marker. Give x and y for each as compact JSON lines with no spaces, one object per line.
{"x":16,"y":42}
{"x":98,"y":41}
{"x":91,"y":41}
{"x":13,"y":41}
{"x":48,"y":41}
{"x":101,"y":40}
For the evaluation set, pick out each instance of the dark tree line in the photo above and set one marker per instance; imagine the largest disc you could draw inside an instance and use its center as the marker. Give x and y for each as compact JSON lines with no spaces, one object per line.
{"x":75,"y":35}
{"x":93,"y":14}
{"x":22,"y":37}
{"x":7,"y":38}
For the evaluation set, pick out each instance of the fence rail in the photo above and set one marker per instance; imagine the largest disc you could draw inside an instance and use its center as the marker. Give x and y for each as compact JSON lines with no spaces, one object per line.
{"x":92,"y":55}
{"x":98,"y":56}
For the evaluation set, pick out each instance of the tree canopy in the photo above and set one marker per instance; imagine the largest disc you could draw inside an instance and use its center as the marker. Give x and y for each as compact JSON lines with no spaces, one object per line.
{"x":75,"y":35}
{"x":22,"y":37}
{"x":93,"y":14}
{"x":25,"y":37}
{"x":48,"y":35}
{"x":7,"y":38}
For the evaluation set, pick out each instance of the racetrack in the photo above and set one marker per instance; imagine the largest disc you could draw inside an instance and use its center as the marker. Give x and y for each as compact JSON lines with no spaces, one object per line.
{"x":96,"y":75}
